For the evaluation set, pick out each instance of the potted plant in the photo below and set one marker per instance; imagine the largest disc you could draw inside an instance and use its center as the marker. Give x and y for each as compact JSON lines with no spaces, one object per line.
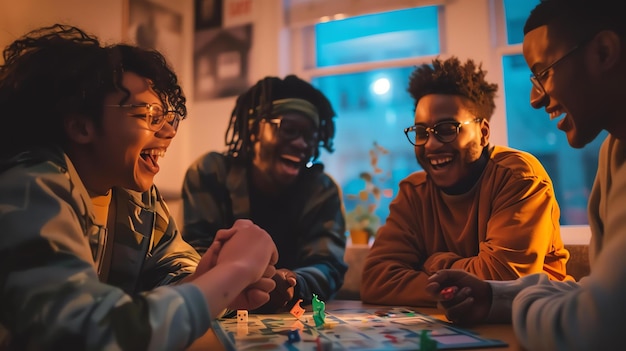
{"x":361,"y":218}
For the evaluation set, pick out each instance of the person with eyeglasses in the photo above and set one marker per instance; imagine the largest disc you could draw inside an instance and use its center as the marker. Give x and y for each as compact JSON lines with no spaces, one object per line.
{"x":585,"y":91}
{"x":90,"y":257}
{"x":270,"y":173}
{"x":484,"y":209}
{"x":154,"y":114}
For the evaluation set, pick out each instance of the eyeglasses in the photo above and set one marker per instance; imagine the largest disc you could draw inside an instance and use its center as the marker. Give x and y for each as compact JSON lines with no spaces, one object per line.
{"x":290,"y":130}
{"x":537,"y":78}
{"x":445,"y":131}
{"x":155,"y":116}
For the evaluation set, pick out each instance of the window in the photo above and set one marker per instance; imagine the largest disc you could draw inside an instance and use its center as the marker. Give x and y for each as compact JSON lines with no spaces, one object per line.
{"x":394,"y":35}
{"x":354,"y":60}
{"x":368,"y":89}
{"x":373,"y":109}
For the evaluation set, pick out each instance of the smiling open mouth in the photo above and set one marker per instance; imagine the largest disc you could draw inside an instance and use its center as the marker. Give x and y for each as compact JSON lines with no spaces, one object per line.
{"x":437,"y":163}
{"x":555,"y":114}
{"x":291,"y":161}
{"x":152,"y":155}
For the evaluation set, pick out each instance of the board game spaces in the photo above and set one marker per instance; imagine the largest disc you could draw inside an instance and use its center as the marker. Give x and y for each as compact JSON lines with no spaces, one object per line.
{"x":397,"y":328}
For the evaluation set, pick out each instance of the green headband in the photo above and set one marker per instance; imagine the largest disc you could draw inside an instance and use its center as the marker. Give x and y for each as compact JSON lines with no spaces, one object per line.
{"x":296,"y":105}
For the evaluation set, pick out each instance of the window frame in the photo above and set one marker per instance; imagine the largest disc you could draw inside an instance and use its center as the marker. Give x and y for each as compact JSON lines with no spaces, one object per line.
{"x":489,"y":52}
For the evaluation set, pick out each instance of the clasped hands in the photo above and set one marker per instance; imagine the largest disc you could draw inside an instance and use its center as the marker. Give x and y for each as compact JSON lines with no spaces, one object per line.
{"x":250,"y":248}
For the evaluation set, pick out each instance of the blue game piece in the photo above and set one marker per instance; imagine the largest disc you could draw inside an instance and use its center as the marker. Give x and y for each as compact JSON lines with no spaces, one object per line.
{"x":293,"y":335}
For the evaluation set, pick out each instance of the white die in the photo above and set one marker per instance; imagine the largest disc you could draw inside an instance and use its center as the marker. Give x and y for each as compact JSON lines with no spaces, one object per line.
{"x":242,"y":316}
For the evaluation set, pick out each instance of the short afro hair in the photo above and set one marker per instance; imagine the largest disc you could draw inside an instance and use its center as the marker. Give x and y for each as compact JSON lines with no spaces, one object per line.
{"x":450,"y":77}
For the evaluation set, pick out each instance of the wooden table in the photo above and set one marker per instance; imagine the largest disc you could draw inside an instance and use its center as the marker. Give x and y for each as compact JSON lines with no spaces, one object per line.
{"x":502,"y":332}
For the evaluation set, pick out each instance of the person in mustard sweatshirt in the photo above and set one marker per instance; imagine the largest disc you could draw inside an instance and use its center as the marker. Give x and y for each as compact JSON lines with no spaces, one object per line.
{"x":484,"y":209}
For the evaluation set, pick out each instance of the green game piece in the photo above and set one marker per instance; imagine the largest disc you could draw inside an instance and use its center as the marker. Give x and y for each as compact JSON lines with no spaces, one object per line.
{"x":318,"y":311}
{"x":426,"y":343}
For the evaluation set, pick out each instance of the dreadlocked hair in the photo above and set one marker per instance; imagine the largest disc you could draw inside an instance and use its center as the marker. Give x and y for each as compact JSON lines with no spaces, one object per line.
{"x":256,"y":104}
{"x":450,"y":77}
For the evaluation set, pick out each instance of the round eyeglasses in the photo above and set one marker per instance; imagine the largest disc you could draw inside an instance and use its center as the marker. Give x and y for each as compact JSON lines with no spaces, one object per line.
{"x":290,"y":130}
{"x":537,"y":78}
{"x":155,"y":116}
{"x":445,"y":131}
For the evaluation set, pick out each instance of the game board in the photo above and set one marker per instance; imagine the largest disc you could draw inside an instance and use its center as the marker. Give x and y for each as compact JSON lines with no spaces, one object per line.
{"x":349,"y":329}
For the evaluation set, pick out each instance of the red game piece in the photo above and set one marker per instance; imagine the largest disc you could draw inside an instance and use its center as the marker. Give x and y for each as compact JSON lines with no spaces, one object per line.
{"x":448,"y":293}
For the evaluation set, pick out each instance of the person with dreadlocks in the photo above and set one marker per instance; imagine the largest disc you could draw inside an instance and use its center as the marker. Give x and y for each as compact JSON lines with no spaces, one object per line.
{"x":90,"y":258}
{"x":484,"y":209}
{"x":266,"y":175}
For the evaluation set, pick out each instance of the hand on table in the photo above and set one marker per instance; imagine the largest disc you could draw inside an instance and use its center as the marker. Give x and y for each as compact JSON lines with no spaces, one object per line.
{"x":469,"y":303}
{"x":283,"y":293}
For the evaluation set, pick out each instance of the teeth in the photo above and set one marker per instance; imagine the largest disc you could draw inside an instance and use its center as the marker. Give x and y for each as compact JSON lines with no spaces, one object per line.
{"x":291,"y":158}
{"x":439,"y":161}
{"x":555,"y":114}
{"x":154,"y":152}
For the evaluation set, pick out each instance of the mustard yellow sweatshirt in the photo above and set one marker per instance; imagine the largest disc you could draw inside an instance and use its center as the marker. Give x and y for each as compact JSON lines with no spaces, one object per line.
{"x":506,"y":226}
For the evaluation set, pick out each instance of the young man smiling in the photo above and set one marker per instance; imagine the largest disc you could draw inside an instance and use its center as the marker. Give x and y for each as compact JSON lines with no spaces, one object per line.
{"x":488,"y":210}
{"x":576,"y":50}
{"x":90,"y":258}
{"x":276,"y":129}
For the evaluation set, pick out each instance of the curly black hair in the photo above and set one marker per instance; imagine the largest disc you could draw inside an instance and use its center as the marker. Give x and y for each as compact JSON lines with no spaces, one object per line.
{"x":579,"y":19}
{"x":56,"y":71}
{"x":256,"y":104}
{"x":450,"y":77}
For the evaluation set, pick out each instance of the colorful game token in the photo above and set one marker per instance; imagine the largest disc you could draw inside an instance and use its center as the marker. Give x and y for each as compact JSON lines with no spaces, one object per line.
{"x":319,"y":307}
{"x":293,"y":336}
{"x":448,"y":293}
{"x":426,"y":343}
{"x":297,"y":310}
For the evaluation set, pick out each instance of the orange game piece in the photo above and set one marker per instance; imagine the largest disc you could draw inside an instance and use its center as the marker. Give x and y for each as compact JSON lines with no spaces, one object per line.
{"x":297,"y":310}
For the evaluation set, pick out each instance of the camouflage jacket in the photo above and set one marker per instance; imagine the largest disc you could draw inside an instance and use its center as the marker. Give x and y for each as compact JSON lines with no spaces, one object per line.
{"x":307,"y":221}
{"x":51,"y":253}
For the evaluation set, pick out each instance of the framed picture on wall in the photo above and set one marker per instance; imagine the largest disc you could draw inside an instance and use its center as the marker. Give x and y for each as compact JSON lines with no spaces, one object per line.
{"x":221,"y":61}
{"x":156,"y":25}
{"x":208,"y":14}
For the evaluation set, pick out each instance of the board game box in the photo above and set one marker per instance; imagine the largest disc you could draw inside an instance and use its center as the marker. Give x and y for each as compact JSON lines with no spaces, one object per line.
{"x":348,"y":329}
